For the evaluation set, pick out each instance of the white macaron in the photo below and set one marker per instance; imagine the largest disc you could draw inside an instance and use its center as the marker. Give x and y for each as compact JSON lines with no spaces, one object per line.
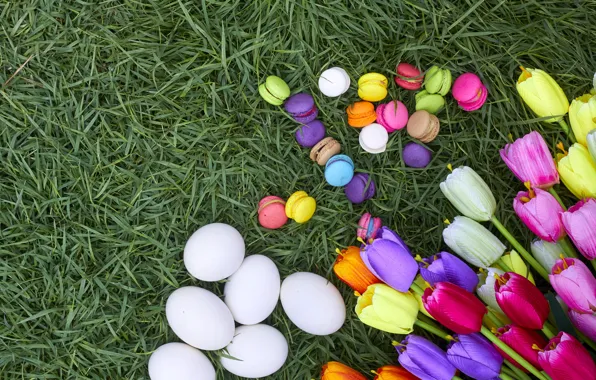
{"x":373,"y":138}
{"x":334,"y":82}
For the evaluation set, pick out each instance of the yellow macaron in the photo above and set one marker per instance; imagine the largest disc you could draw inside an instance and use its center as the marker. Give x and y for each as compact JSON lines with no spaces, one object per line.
{"x":372,"y":87}
{"x":300,"y":207}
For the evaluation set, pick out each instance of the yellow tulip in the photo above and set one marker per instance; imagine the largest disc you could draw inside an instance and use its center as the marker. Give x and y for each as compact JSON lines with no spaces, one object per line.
{"x":577,"y":170}
{"x":384,"y":308}
{"x":516,"y":264}
{"x":582,"y":116}
{"x":542,"y":94}
{"x":423,"y":285}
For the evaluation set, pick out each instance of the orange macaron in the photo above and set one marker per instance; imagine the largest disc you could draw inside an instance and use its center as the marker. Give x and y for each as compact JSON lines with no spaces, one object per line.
{"x":361,"y":114}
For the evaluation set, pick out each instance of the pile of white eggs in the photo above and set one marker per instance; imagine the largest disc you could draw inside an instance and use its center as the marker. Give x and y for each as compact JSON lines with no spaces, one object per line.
{"x":203,"y":321}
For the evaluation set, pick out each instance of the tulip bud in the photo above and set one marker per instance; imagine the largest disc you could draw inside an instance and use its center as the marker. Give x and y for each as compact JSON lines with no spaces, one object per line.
{"x":582,"y":116}
{"x":546,"y":253}
{"x":387,"y":309}
{"x":454,"y":307}
{"x":578,"y":171}
{"x":475,"y":356}
{"x":580,"y":223}
{"x":575,"y":284}
{"x":338,"y":371}
{"x":473,"y":242}
{"x":444,"y":267}
{"x":350,"y":268}
{"x":468,"y":192}
{"x":486,"y":290}
{"x":391,"y":263}
{"x":592,"y":144}
{"x":514,"y":262}
{"x":424,"y":359}
{"x":531,"y":161}
{"x":539,"y":211}
{"x":542,"y":94}
{"x":565,"y":358}
{"x":521,"y":301}
{"x":521,"y":341}
{"x":393,"y":372}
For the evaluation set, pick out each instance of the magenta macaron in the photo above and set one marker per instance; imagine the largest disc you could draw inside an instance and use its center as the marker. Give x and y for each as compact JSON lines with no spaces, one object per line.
{"x":393,"y":116}
{"x":368,"y":227}
{"x":469,"y":91}
{"x":360,"y":188}
{"x":272,"y":212}
{"x":302,"y":107}
{"x":309,"y":134}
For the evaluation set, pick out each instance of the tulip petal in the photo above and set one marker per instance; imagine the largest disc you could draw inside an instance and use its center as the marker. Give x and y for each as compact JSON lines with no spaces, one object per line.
{"x":392,"y":264}
{"x":580,"y":222}
{"x":475,"y":356}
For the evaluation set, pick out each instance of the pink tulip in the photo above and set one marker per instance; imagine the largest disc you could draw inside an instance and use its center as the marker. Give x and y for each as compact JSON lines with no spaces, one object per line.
{"x":521,"y":301}
{"x":540,"y":213}
{"x":584,"y":322}
{"x":565,"y":358}
{"x":531,"y":161}
{"x":580,"y":223}
{"x":575,"y":284}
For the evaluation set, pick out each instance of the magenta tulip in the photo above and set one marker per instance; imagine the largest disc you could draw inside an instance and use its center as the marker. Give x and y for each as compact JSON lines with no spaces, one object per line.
{"x":580,"y":223}
{"x":540,"y":213}
{"x":575,"y":284}
{"x":565,"y":358}
{"x":522,"y":341}
{"x":584,"y":322}
{"x":521,"y":301}
{"x":531,"y":161}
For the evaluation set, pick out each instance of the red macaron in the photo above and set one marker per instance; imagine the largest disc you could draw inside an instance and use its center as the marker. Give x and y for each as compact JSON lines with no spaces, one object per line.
{"x":272,"y":212}
{"x":408,"y":76}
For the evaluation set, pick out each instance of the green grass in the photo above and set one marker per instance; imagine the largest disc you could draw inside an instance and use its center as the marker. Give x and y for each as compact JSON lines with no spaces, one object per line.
{"x":136,"y":122}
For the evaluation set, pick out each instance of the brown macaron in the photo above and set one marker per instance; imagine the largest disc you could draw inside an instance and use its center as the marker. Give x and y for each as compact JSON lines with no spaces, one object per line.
{"x":423,"y":126}
{"x":324,"y":150}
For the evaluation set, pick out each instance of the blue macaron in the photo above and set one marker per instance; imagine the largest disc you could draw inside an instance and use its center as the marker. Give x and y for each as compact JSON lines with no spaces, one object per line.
{"x":339,"y":170}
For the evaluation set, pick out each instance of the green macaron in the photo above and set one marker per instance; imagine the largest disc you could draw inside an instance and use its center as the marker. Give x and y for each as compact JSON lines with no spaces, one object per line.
{"x":275,"y":91}
{"x":437,"y":81}
{"x":432,"y":103}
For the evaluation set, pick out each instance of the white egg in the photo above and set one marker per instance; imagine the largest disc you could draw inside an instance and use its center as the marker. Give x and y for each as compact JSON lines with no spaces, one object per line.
{"x":214,"y":252}
{"x":260,"y":349}
{"x":313,"y":303}
{"x":252,"y":292}
{"x":181,"y":362}
{"x":200,"y":318}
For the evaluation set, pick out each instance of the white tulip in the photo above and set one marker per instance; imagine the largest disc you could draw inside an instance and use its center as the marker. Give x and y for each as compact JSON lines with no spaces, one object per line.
{"x":468,"y":192}
{"x":486,"y":288}
{"x":546,"y":253}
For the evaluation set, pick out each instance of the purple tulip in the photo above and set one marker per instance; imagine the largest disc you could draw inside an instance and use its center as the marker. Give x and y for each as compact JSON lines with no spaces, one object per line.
{"x":584,"y":322}
{"x":388,"y":234}
{"x":475,"y":356}
{"x":444,"y":267}
{"x":424,"y":359}
{"x":390,"y":262}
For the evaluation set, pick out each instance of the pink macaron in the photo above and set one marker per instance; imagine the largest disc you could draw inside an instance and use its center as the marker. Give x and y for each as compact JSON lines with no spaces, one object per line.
{"x":392,"y":116}
{"x":408,"y":76}
{"x":469,"y":91}
{"x":368,"y":226}
{"x":272,"y":212}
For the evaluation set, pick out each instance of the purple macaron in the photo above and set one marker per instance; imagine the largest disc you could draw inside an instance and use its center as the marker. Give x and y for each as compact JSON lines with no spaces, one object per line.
{"x":360,"y":188}
{"x":416,"y":156}
{"x":310,"y":134}
{"x":302,"y":107}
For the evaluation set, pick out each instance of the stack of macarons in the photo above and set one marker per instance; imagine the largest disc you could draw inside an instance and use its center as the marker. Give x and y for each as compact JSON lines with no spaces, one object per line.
{"x":273,"y":212}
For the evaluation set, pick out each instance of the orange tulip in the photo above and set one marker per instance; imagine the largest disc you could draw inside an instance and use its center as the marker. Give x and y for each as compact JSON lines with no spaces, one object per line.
{"x":393,"y":372}
{"x":338,"y":371}
{"x":350,"y":268}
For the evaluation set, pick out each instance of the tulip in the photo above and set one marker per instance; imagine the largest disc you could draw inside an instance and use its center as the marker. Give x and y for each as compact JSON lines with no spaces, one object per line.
{"x":515,"y":263}
{"x":584,"y":322}
{"x":393,"y":372}
{"x":387,"y":309}
{"x":542,"y":94}
{"x":575,"y":284}
{"x":591,"y":139}
{"x":424,"y":359}
{"x":486,"y":290}
{"x":475,"y":356}
{"x":388,"y":234}
{"x":565,"y":358}
{"x":338,"y":371}
{"x":422,"y":284}
{"x":546,"y":253}
{"x":473,"y":242}
{"x":444,"y":267}
{"x":582,"y":116}
{"x":522,"y":341}
{"x":578,"y":171}
{"x":391,"y":263}
{"x":531,"y":161}
{"x":454,"y":307}
{"x":469,"y":194}
{"x":350,"y":268}
{"x":521,"y":301}
{"x":539,"y":211}
{"x":580,"y":223}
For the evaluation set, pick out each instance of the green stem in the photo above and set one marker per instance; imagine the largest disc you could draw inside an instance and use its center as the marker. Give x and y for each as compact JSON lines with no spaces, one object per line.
{"x":494,"y":319}
{"x":504,"y":266}
{"x":456,"y":378}
{"x":504,"y":376}
{"x":586,"y":340}
{"x":567,"y":130}
{"x":568,"y":248}
{"x":593,"y":262}
{"x":434,"y":330}
{"x":547,"y":331}
{"x":509,"y":351}
{"x":521,"y":250}
{"x":417,"y":289}
{"x":554,"y":193}
{"x":518,"y":372}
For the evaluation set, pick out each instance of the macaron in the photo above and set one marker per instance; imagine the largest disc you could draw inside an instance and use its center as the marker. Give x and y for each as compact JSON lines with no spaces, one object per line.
{"x":302,"y":108}
{"x":339,"y":170}
{"x":275,"y":91}
{"x":360,"y":188}
{"x":423,"y":126}
{"x":272,"y":212}
{"x":373,"y":138}
{"x":300,"y":207}
{"x":368,"y":226}
{"x":334,"y":82}
{"x":432,"y":103}
{"x":309,"y":134}
{"x":372,"y":87}
{"x":324,"y":150}
{"x":393,"y":115}
{"x":437,"y":81}
{"x":416,"y":156}
{"x":469,"y":91}
{"x":361,"y":114}
{"x":408,"y":76}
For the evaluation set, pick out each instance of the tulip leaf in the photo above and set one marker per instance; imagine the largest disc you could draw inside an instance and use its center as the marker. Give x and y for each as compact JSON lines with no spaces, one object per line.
{"x":561,"y":319}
